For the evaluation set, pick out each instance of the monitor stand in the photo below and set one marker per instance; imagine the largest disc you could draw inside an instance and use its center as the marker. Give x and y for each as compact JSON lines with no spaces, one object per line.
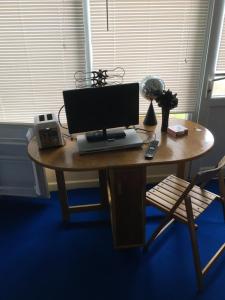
{"x":104,"y":135}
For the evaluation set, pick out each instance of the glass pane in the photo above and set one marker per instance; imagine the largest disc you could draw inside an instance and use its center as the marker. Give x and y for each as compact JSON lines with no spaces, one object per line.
{"x":218,"y":88}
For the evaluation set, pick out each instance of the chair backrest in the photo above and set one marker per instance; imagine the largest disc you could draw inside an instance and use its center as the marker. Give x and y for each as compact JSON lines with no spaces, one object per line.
{"x":203,"y":177}
{"x":221,"y":163}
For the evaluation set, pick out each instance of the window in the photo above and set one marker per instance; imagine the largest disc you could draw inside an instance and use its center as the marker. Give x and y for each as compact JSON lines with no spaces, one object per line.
{"x":163,"y":38}
{"x":41,"y":46}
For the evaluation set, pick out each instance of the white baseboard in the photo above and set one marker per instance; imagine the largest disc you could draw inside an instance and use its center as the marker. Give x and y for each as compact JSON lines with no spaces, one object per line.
{"x":75,"y":184}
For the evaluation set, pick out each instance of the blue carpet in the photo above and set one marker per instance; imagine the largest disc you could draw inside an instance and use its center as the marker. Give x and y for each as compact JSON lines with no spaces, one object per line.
{"x":40,"y":258}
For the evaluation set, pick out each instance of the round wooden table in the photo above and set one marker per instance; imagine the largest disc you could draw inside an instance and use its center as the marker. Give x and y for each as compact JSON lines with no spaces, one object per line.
{"x":122,"y":174}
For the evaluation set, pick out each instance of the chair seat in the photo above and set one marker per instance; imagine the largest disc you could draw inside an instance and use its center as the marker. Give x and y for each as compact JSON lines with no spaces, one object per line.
{"x":165,"y":194}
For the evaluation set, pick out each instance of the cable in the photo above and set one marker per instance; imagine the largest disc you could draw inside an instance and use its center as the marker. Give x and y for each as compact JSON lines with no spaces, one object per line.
{"x":149,"y":138}
{"x":59,"y":118}
{"x":145,"y":130}
{"x":66,"y":135}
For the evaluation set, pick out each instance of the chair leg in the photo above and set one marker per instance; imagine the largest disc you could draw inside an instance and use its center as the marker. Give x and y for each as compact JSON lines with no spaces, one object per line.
{"x":195,"y":250}
{"x":222,"y":190}
{"x":223,"y":206}
{"x":165,"y":223}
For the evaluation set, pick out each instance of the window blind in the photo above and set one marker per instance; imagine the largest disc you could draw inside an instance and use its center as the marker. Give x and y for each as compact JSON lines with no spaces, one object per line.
{"x":41,"y":46}
{"x":150,"y":37}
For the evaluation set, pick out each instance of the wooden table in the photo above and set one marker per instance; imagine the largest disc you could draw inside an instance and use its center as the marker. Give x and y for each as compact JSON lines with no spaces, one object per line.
{"x":122,"y":175}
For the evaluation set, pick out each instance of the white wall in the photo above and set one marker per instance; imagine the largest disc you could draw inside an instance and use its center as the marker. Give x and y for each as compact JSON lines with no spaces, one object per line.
{"x":18,"y":174}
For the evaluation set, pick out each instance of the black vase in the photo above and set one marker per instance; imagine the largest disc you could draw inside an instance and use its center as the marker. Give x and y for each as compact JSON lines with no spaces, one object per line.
{"x":165,"y":119}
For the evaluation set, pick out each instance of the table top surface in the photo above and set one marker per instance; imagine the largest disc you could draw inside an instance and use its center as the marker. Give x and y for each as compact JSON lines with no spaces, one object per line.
{"x":171,"y":150}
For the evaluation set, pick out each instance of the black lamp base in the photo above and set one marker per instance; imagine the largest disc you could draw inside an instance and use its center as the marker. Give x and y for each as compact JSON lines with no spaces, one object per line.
{"x":150,"y":118}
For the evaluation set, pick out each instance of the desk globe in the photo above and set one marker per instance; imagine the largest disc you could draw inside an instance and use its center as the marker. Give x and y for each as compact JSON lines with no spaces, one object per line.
{"x":150,"y":88}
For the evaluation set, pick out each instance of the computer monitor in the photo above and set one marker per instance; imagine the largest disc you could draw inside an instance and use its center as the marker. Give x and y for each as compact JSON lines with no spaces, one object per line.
{"x":102,"y":108}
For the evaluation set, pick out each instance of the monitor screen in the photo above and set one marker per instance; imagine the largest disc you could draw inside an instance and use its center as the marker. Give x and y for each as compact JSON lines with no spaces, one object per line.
{"x":97,"y":108}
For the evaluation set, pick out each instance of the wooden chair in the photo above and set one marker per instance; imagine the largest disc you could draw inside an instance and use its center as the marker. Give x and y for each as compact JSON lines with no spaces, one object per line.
{"x":185,"y":201}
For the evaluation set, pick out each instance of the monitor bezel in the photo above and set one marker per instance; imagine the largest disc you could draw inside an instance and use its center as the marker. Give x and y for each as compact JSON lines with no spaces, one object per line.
{"x":69,"y":95}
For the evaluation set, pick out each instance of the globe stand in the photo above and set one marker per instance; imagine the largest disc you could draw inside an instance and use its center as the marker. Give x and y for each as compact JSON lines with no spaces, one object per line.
{"x":150,"y":118}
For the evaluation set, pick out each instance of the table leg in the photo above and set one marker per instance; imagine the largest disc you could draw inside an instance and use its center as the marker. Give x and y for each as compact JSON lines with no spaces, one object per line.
{"x":181,"y":169}
{"x":103,"y":183}
{"x":62,"y":195}
{"x":66,"y":209}
{"x":127,"y":189}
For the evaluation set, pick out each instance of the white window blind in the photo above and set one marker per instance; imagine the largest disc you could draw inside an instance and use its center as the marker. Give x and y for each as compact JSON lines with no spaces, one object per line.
{"x":151,"y":37}
{"x":41,"y":46}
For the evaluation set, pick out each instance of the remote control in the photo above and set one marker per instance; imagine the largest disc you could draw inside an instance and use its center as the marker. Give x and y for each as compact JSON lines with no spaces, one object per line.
{"x":152,"y":147}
